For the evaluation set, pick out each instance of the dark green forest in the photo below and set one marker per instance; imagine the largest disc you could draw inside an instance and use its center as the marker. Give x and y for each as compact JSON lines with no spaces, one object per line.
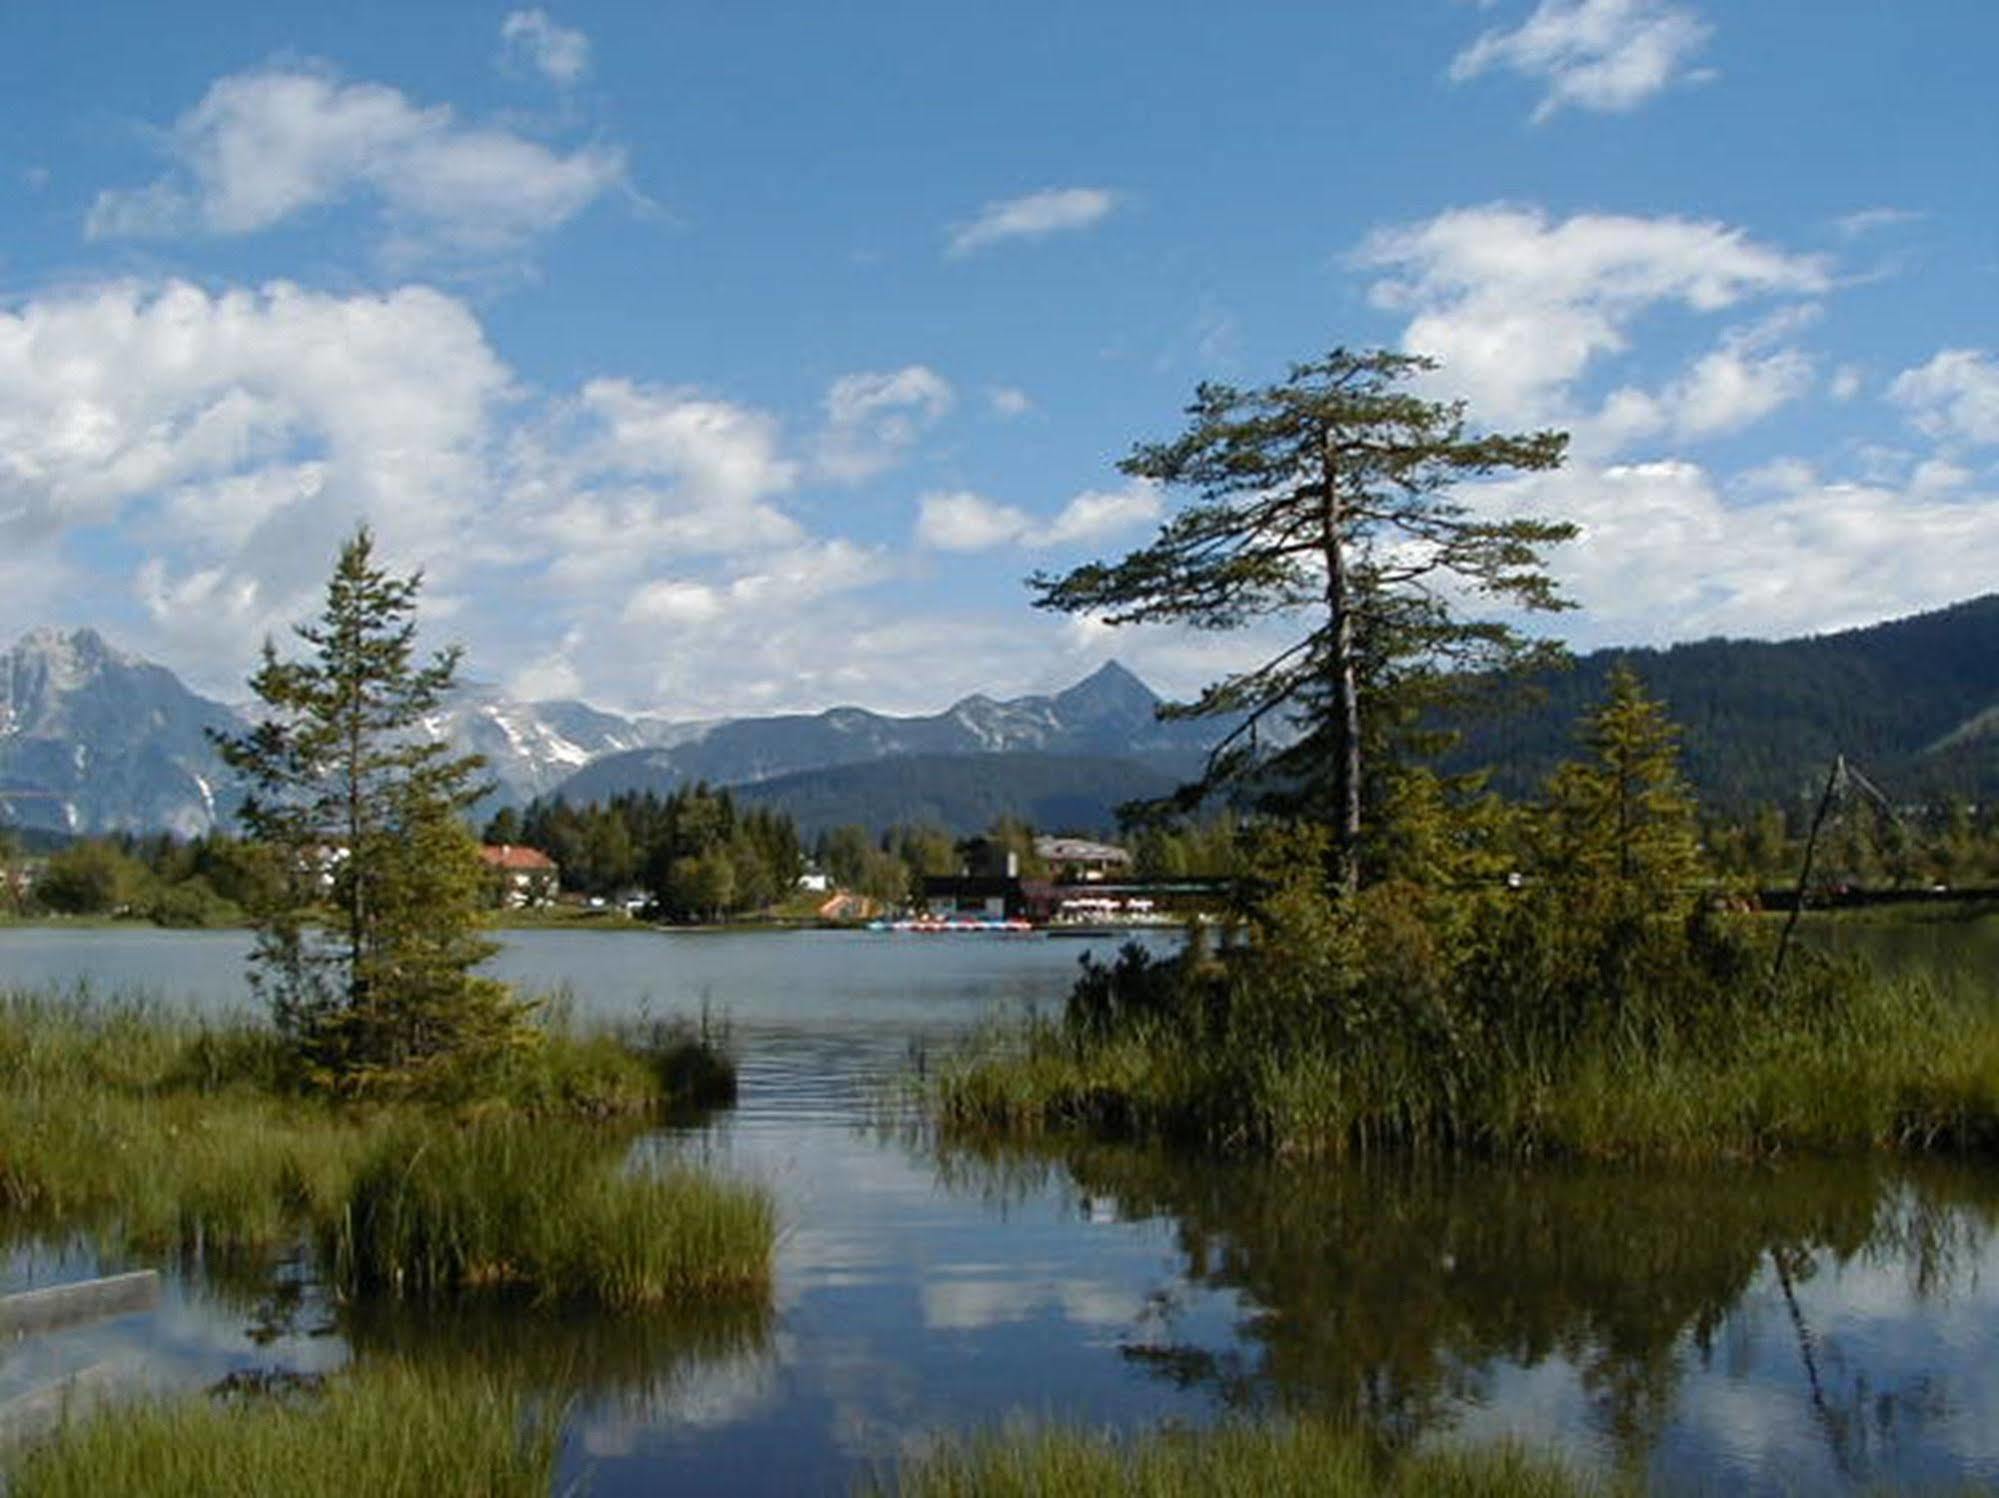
{"x":1914,"y":702}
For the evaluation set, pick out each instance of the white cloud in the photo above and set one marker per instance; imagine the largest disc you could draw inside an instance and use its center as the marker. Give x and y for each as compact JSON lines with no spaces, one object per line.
{"x":873,"y":419}
{"x":1010,"y":401}
{"x":1667,"y":553}
{"x":1868,"y":220}
{"x":1954,"y":397}
{"x":1517,"y":307}
{"x":1604,"y":55}
{"x":625,"y":477}
{"x":1055,"y":210}
{"x":624,"y":542}
{"x":268,"y":145}
{"x":1733,"y":386}
{"x":675,"y":601}
{"x":121,"y":392}
{"x":1846,"y":383}
{"x":558,"y":53}
{"x":963,"y":521}
{"x":1093,"y":515}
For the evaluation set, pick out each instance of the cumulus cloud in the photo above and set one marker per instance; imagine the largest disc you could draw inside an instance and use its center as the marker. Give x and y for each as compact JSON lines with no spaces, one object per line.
{"x":237,"y":434}
{"x":1055,"y":210}
{"x":1518,"y":306}
{"x":965,"y":522}
{"x":1748,"y":375}
{"x":627,"y":542}
{"x":873,"y":419}
{"x":559,"y":53}
{"x":268,"y":145}
{"x":1098,"y":513}
{"x":1603,"y":55}
{"x":1955,"y":396}
{"x":1010,"y":401}
{"x":1669,"y":553}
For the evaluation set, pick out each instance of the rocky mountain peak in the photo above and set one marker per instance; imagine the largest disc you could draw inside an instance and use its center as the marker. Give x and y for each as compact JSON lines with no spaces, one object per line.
{"x":1109,"y":691}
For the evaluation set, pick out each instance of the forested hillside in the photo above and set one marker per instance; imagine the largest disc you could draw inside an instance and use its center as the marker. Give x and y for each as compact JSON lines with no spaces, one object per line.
{"x":1914,"y":702}
{"x":965,"y":793}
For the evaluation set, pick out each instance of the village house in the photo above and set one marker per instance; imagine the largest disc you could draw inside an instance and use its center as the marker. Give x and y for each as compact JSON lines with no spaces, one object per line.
{"x":1077,"y":860}
{"x":527,"y":876}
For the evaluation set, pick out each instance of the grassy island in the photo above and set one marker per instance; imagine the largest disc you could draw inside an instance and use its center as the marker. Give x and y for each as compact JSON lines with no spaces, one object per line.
{"x":158,"y":1135}
{"x":1520,"y":1024}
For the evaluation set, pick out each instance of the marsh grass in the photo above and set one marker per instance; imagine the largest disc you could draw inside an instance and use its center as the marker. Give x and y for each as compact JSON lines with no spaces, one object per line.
{"x":379,"y":1428}
{"x":1301,"y":1460}
{"x":509,"y":1207}
{"x":158,"y":1134}
{"x":1536,"y":1033}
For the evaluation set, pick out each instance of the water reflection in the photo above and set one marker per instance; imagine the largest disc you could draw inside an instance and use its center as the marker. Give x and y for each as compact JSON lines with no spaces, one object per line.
{"x":1599,"y":1310}
{"x":659,"y":1367}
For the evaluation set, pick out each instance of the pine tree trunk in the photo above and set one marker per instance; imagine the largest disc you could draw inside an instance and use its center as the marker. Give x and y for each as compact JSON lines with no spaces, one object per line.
{"x":1345,"y":869}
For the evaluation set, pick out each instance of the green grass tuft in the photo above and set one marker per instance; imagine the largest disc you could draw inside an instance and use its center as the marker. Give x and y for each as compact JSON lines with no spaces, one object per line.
{"x":380,"y":1428}
{"x":1300,"y":1460}
{"x":544,"y":1211}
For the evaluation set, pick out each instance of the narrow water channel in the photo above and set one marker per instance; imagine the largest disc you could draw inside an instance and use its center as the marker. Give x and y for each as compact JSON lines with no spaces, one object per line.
{"x":1813,"y":1327}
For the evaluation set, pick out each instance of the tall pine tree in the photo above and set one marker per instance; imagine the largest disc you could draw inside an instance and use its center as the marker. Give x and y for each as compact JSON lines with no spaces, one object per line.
{"x":1327,"y":500}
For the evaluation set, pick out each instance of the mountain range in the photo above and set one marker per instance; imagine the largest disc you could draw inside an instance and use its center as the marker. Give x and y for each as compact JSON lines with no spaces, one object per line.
{"x":93,"y":739}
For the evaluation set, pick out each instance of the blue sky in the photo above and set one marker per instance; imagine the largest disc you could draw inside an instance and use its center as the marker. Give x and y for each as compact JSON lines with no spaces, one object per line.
{"x":727,"y":358}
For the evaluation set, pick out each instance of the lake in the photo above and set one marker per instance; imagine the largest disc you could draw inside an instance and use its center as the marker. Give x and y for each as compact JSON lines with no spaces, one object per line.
{"x":1772,"y":1330}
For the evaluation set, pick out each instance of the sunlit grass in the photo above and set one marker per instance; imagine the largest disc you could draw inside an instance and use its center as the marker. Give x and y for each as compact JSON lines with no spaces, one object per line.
{"x":506,"y":1206}
{"x":158,"y":1134}
{"x":1897,"y":1065}
{"x":1299,"y":1460}
{"x":381,"y":1428}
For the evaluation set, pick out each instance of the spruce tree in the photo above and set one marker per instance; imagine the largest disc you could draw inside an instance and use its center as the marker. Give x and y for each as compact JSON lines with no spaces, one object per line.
{"x":366,"y":949}
{"x":1622,"y":814}
{"x":1326,"y":499}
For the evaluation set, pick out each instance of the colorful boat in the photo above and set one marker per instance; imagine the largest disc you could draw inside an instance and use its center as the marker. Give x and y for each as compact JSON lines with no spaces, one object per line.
{"x":954,"y":925}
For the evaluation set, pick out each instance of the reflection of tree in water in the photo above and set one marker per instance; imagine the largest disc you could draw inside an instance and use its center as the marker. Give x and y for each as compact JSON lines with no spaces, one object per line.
{"x":641,"y":1364}
{"x":1393,"y":1291}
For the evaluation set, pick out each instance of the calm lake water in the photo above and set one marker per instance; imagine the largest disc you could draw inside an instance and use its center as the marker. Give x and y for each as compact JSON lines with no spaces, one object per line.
{"x":1771,"y":1330}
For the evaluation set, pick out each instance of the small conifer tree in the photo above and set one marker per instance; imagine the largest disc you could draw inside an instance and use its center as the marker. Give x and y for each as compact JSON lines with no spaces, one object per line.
{"x":366,"y":947}
{"x":1623,"y":814}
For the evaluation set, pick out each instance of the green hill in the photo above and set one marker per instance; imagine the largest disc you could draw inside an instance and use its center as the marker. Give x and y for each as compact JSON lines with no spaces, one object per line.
{"x":1914,"y":702}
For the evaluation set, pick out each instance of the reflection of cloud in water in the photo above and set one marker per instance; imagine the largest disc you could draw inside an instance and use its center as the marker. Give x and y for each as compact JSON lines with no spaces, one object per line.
{"x":186,"y":1342}
{"x":701,"y":1397}
{"x":961,"y":1302}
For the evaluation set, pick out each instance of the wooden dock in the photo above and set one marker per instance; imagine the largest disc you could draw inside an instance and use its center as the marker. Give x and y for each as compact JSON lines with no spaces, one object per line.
{"x":34,"y":1313}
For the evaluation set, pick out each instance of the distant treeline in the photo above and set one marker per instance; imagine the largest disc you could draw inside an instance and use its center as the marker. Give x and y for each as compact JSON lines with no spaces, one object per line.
{"x":697,"y":853}
{"x":203,"y":881}
{"x":1863,"y":844}
{"x":693,"y":855}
